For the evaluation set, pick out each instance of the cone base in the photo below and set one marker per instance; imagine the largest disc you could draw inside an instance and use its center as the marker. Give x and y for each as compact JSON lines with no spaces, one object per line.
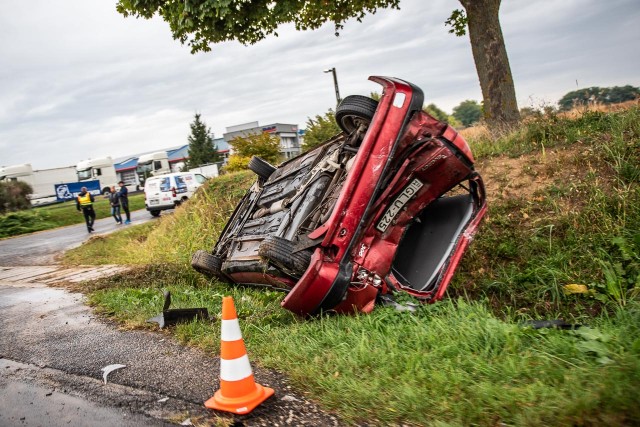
{"x":239,"y":405}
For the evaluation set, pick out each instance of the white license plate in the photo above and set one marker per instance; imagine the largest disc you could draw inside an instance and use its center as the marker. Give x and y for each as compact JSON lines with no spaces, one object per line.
{"x":402,"y":199}
{"x":154,"y":202}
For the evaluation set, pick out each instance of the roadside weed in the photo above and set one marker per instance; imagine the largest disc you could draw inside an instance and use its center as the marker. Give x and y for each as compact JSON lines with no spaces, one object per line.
{"x":561,"y":240}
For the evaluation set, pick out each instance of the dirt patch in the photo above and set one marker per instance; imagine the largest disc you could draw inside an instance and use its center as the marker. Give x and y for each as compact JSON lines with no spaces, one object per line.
{"x":531,"y":175}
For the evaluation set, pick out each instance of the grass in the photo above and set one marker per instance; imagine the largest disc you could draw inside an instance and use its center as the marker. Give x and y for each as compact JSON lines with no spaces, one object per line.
{"x":564,"y":233}
{"x":58,"y":215}
{"x":453,"y":362}
{"x":467,"y":359}
{"x":195,"y":225}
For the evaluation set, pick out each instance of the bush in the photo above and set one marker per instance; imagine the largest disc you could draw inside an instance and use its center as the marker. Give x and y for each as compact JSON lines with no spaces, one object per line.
{"x":237,"y":163}
{"x":14,"y":196}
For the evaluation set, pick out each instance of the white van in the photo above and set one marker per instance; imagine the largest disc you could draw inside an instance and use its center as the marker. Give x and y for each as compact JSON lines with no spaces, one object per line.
{"x":168,"y":191}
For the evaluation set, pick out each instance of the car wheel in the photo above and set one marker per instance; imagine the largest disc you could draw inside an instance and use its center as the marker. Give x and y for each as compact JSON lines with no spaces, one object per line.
{"x":280,"y":252}
{"x":355,"y":110}
{"x":261,"y":167}
{"x":106,"y":191}
{"x":154,"y":213}
{"x":206,"y":263}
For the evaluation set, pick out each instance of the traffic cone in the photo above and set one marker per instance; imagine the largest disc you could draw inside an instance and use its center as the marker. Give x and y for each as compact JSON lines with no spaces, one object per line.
{"x":238,"y":391}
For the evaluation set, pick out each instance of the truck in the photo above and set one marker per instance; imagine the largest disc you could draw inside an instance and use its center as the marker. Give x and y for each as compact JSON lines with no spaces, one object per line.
{"x":208,"y":170}
{"x":101,"y":169}
{"x":42,"y":181}
{"x":152,"y":164}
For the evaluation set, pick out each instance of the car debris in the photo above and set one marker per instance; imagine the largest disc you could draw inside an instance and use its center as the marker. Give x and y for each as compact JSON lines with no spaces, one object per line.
{"x":552,"y":324}
{"x":171,"y":316}
{"x":110,"y":368}
{"x":389,"y":205}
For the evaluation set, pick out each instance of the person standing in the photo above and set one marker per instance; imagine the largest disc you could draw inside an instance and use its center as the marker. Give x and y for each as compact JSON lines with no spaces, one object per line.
{"x":124,"y":201}
{"x":84,"y":203}
{"x":114,"y":200}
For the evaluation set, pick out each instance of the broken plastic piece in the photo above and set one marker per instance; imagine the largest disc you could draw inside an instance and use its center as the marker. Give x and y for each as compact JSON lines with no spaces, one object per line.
{"x":387,"y":300}
{"x":551,"y":324}
{"x":110,"y":368}
{"x":174,"y":315}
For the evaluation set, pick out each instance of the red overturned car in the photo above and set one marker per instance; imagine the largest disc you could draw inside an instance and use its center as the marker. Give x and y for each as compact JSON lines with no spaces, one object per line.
{"x":387,"y":206}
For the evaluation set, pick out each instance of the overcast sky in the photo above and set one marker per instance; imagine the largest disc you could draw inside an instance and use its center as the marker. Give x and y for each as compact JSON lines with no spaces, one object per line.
{"x":79,"y":81}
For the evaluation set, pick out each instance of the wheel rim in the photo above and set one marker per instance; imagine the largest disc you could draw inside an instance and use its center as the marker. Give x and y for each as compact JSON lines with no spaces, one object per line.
{"x":353,"y":122}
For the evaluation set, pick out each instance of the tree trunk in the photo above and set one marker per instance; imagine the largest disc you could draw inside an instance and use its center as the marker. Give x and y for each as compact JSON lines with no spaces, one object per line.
{"x":492,"y":63}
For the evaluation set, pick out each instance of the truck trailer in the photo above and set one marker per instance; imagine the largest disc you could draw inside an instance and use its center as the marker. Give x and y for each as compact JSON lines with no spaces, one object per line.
{"x":152,"y":164}
{"x":209,"y":171}
{"x":42,"y":181}
{"x":101,"y":169}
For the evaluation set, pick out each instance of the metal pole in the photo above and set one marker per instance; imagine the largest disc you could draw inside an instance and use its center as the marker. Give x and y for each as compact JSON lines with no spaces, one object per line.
{"x":335,"y":83}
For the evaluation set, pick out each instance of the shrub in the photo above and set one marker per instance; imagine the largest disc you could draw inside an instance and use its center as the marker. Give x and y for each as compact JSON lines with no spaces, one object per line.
{"x":14,"y":196}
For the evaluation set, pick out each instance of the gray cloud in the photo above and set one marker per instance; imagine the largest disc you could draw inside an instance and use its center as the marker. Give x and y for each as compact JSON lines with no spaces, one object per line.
{"x":78,"y":80}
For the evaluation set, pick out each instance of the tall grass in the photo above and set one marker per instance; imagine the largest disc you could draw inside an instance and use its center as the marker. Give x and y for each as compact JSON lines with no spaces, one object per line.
{"x":466,"y":360}
{"x":195,"y":225}
{"x":199,"y":223}
{"x":58,"y":215}
{"x":453,"y":362}
{"x":570,"y":232}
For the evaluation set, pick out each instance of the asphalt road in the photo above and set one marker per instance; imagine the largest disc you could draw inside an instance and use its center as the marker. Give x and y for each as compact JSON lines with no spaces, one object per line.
{"x":52,"y":350}
{"x":42,"y":247}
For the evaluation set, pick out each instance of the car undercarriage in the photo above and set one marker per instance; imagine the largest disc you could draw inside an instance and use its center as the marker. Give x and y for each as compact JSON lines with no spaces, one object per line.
{"x":388,"y":205}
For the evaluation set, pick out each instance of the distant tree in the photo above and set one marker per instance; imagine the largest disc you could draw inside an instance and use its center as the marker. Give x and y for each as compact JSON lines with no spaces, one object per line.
{"x":619,"y":94}
{"x":202,"y":150}
{"x":14,"y":196}
{"x":201,"y":23}
{"x":468,"y":112}
{"x":526,"y":112}
{"x":434,"y":111}
{"x":598,"y":95}
{"x":263,"y":145}
{"x":320,"y":130}
{"x":236,"y":163}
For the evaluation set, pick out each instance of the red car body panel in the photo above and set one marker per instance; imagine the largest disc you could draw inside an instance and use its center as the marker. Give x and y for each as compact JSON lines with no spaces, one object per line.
{"x":391,"y":196}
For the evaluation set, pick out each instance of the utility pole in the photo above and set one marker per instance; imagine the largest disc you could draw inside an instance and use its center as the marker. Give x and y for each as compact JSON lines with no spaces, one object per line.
{"x":335,"y":84}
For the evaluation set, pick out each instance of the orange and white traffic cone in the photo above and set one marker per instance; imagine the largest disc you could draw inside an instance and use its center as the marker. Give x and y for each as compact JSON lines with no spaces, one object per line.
{"x":238,"y":391}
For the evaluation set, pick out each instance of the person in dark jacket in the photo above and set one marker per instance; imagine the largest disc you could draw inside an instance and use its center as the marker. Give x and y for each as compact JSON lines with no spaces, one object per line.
{"x":124,"y":201}
{"x":84,"y":203}
{"x":114,"y":201}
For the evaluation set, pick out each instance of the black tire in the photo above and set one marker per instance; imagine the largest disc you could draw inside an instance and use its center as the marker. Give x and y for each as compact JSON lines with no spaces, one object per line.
{"x":106,"y":191}
{"x":261,"y":167}
{"x":355,"y":110}
{"x":280,"y":252}
{"x":206,"y":263}
{"x":155,"y":213}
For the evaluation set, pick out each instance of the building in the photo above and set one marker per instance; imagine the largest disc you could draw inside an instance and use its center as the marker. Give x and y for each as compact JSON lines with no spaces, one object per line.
{"x":288,"y":134}
{"x":223,"y":149}
{"x":126,"y":168}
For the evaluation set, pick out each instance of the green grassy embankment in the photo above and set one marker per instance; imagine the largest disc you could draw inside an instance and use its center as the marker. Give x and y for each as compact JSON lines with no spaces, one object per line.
{"x":57,"y":215}
{"x":561,"y":240}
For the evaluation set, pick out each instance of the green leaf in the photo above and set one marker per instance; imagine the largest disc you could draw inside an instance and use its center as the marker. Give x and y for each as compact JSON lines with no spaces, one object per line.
{"x":595,"y":347}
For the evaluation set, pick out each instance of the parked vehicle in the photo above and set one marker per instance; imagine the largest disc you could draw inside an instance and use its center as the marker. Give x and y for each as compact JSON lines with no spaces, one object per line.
{"x":387,"y":206}
{"x":152,"y":164}
{"x":168,"y":191}
{"x":210,"y":170}
{"x":42,"y":181}
{"x":101,"y":169}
